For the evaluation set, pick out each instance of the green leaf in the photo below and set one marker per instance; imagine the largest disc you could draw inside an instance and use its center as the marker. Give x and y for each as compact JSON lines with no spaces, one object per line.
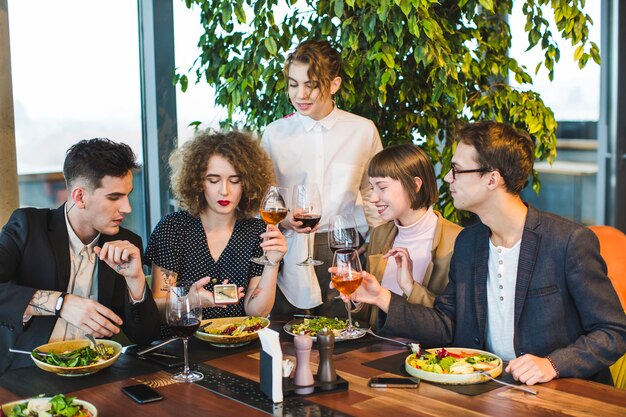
{"x":339,"y":8}
{"x":487,"y":4}
{"x":270,"y":44}
{"x":240,"y":12}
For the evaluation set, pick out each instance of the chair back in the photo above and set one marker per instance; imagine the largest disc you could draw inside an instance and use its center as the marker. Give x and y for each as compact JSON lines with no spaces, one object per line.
{"x":613,"y":250}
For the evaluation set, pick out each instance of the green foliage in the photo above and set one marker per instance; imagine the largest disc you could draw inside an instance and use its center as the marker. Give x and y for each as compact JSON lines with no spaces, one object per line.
{"x":417,"y":68}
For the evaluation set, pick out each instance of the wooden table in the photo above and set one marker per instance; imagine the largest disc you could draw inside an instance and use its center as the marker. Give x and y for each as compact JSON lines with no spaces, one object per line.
{"x":572,"y":397}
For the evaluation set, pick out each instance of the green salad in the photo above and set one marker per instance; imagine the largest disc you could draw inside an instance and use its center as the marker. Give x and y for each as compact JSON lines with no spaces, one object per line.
{"x":314,"y":325}
{"x":57,"y":406}
{"x":80,"y":357}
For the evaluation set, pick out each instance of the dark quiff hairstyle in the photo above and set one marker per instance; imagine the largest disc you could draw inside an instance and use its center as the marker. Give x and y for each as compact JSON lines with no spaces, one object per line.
{"x":404,"y":163}
{"x":92,"y":159}
{"x":323,"y":60}
{"x":190,"y":162}
{"x":502,"y":148}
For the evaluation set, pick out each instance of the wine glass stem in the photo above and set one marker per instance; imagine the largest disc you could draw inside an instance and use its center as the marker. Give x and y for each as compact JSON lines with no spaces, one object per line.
{"x":349,"y":307}
{"x":308,"y":246}
{"x":186,"y":368}
{"x":267,"y":228}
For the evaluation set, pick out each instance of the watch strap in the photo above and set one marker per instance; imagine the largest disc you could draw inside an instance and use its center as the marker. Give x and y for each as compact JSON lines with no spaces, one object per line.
{"x":59,"y":304}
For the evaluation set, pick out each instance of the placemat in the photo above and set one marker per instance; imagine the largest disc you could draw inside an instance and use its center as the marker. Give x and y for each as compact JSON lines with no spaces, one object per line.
{"x":31,"y":381}
{"x":395,"y":364}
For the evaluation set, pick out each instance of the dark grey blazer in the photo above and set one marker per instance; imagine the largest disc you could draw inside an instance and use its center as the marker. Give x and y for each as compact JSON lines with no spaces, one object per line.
{"x":565,"y":305}
{"x":34,"y":255}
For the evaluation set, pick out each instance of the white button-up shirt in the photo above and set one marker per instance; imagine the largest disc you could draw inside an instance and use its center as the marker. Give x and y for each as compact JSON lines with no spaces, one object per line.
{"x":333,"y":153}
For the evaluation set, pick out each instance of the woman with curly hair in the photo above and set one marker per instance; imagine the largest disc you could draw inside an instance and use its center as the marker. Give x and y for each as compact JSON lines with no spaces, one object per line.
{"x":218,"y":180}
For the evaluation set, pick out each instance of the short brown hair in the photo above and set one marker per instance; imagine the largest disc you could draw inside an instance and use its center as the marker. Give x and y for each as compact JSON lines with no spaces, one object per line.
{"x":190,"y":162}
{"x":501,"y":148}
{"x":323,"y":60}
{"x":404,"y":163}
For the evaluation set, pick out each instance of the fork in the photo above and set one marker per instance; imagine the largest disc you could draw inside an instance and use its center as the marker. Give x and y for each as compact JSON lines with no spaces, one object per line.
{"x":408,"y":345}
{"x":98,"y":347}
{"x":60,"y":356}
{"x":518,"y":387}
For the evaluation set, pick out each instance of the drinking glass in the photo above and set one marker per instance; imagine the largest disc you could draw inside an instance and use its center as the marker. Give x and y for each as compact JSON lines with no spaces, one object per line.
{"x":307,"y":208}
{"x":346,"y":277}
{"x":183,"y":313}
{"x":342,"y":232}
{"x":273,"y":210}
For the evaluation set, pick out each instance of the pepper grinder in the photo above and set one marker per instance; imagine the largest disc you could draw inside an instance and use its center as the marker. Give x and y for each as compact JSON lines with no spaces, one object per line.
{"x":326,"y":344}
{"x":303,"y":377}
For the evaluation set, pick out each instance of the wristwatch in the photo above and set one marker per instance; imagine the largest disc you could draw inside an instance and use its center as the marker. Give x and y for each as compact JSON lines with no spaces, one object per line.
{"x":59,"y":305}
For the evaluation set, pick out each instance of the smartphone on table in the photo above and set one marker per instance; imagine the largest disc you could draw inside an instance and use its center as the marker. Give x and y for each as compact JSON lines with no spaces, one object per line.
{"x":142,"y":393}
{"x":378,"y":382}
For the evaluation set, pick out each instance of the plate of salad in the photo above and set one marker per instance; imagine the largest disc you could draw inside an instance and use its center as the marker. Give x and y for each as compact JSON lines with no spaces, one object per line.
{"x":75,"y":357}
{"x":453,"y":366}
{"x":57,"y":406}
{"x":231,"y":331}
{"x":313,"y":325}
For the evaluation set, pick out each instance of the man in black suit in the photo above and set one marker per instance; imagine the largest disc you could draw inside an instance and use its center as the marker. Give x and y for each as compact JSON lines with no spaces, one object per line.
{"x":74,"y":270}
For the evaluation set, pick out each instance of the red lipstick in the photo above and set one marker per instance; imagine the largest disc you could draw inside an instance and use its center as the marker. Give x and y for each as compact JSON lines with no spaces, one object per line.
{"x":223,"y":203}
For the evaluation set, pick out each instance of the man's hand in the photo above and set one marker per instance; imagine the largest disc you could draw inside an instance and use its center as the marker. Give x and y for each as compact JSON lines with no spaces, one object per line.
{"x":404,"y":264}
{"x":274,"y":243}
{"x":292,"y":224}
{"x":125,"y":259}
{"x":530,"y":369}
{"x":90,"y":316}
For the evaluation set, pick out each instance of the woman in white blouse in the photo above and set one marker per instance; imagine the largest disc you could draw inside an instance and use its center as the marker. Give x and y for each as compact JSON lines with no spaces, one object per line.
{"x":327,"y":146}
{"x":410,"y":254}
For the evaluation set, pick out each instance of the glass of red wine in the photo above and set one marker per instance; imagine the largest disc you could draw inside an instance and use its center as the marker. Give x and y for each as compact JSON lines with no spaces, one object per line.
{"x":273,"y":210}
{"x":183,"y":313}
{"x":346,"y":277}
{"x":342,"y":232}
{"x":307,"y":208}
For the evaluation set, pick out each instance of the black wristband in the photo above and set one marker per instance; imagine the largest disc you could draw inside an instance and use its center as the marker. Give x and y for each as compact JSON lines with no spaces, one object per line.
{"x":59,"y":304}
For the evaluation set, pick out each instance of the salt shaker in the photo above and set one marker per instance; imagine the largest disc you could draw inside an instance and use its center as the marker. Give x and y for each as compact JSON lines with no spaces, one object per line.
{"x":303,"y":377}
{"x":326,"y":344}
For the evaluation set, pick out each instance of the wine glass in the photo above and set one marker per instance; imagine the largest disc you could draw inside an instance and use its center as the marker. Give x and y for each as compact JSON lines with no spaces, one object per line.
{"x":273,"y":210}
{"x":307,"y":208}
{"x":183,"y":313}
{"x":342,"y":232}
{"x":346,"y":277}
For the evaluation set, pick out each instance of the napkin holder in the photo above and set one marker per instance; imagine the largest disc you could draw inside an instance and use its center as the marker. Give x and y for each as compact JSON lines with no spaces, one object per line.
{"x":271,"y":377}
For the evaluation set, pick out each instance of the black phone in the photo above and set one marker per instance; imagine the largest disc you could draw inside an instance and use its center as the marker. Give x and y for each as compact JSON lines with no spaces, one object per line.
{"x":394,"y":382}
{"x":141,"y":393}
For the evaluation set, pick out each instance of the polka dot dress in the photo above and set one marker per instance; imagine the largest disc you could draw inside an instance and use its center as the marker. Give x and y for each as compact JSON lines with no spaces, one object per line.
{"x":178,"y":243}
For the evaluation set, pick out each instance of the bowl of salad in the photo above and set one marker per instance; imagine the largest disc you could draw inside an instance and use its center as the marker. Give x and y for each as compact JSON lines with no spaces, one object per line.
{"x":453,"y":366}
{"x":231,"y":331}
{"x":314,"y":325}
{"x":75,"y":357}
{"x":57,"y":406}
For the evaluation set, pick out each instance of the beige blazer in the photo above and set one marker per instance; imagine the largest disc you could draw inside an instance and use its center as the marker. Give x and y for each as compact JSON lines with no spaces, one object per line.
{"x":436,"y":275}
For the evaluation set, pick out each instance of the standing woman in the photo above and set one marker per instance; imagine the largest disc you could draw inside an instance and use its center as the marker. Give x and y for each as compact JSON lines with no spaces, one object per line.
{"x":327,"y":146}
{"x":418,"y":238}
{"x":218,"y":180}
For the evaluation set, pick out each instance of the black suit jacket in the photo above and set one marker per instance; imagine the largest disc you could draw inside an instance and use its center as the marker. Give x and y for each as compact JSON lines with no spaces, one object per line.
{"x":34,"y":255}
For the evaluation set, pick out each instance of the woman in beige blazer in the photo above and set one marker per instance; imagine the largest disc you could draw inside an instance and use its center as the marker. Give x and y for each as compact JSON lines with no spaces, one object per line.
{"x":418,"y":239}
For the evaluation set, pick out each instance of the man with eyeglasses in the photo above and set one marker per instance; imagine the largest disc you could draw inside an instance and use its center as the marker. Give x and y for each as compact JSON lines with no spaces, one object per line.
{"x":526,"y":285}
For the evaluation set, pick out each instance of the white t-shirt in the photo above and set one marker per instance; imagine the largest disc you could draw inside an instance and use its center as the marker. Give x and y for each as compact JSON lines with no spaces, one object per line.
{"x":501,"y":282}
{"x":333,"y":153}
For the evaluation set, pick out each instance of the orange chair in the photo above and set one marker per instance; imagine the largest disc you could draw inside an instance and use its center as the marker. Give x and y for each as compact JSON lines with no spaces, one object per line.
{"x":612,"y":247}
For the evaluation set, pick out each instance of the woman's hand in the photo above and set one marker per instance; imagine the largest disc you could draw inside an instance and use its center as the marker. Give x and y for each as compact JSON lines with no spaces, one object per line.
{"x":274,"y":243}
{"x":292,"y":224}
{"x":206,"y":297}
{"x":369,"y":292}
{"x":405,"y":268}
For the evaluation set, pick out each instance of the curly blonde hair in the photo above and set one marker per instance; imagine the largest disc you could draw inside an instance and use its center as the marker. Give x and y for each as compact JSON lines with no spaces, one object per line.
{"x":190,"y":162}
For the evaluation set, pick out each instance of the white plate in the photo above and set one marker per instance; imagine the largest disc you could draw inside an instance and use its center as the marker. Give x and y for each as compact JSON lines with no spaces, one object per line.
{"x":359,"y":334}
{"x":6,"y":408}
{"x":226,"y":340}
{"x":453,"y":379}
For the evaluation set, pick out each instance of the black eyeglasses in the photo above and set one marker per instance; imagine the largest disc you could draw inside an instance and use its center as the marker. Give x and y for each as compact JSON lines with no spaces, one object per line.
{"x":455,"y":171}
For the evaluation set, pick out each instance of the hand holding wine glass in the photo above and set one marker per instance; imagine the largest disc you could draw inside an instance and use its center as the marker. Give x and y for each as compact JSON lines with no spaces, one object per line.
{"x":342,"y":232}
{"x":183,"y":313}
{"x":273,"y":210}
{"x":346,"y":278}
{"x":307,"y":208}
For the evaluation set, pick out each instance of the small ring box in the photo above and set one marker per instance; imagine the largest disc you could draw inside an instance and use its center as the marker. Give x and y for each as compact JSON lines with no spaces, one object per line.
{"x":225,"y":294}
